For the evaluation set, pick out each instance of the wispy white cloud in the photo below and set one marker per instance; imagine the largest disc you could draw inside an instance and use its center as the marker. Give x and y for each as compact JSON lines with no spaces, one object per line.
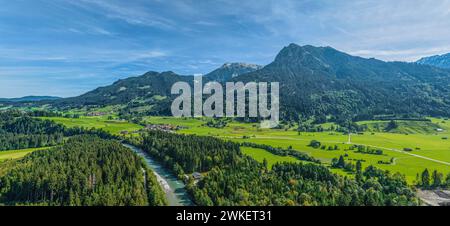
{"x":392,"y":30}
{"x":80,"y":55}
{"x":126,"y":12}
{"x":407,"y":54}
{"x":105,"y":39}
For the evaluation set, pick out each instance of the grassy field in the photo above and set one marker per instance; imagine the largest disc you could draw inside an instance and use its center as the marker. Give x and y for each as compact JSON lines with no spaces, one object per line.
{"x":16,"y":154}
{"x":112,"y":126}
{"x":260,"y":154}
{"x":404,"y":127}
{"x":430,"y":148}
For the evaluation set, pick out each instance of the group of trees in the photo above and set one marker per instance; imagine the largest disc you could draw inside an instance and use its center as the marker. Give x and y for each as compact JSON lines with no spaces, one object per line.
{"x":314,"y":124}
{"x":283,"y":152}
{"x":298,"y":184}
{"x":357,"y":148}
{"x":189,"y":153}
{"x":366,"y":150}
{"x":232,"y":178}
{"x":309,"y":127}
{"x":340,"y":163}
{"x":433,"y":180}
{"x":26,"y":132}
{"x":18,"y":131}
{"x":10,"y":141}
{"x":317,"y":144}
{"x":217,"y":123}
{"x":84,"y":171}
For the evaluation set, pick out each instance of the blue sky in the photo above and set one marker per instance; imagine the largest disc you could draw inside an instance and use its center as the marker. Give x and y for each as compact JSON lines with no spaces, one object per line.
{"x":67,"y":47}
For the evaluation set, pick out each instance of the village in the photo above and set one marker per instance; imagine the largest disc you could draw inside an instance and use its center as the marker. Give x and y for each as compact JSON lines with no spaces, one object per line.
{"x":155,"y":127}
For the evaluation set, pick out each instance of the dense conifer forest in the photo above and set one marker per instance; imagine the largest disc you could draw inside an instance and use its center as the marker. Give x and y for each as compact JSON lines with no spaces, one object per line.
{"x":85,"y":171}
{"x":18,"y":131}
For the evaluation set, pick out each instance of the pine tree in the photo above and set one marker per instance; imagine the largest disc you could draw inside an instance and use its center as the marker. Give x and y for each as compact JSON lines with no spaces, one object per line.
{"x":359,"y":176}
{"x":341,"y":162}
{"x":437,"y":179}
{"x":426,"y":178}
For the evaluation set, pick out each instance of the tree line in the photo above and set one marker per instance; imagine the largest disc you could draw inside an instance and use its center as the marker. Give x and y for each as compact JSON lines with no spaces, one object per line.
{"x":282,"y":152}
{"x":20,"y":131}
{"x":432,"y":180}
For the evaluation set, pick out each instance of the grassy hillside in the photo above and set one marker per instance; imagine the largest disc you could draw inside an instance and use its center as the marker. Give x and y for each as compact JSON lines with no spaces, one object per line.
{"x":403,"y":126}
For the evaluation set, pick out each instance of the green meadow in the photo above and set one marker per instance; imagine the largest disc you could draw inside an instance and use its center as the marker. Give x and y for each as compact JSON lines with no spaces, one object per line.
{"x":16,"y":154}
{"x":112,"y":126}
{"x":260,"y":154}
{"x":430,"y":149}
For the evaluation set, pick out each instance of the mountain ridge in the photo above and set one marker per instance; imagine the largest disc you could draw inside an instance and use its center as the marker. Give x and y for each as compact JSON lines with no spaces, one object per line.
{"x":324,"y":81}
{"x":30,"y":98}
{"x":231,"y":70}
{"x":318,"y":82}
{"x":441,"y":61}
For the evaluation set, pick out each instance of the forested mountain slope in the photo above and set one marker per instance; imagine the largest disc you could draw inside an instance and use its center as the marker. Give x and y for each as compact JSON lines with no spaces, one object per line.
{"x":441,"y":61}
{"x":321,"y":81}
{"x":231,"y":70}
{"x":315,"y":82}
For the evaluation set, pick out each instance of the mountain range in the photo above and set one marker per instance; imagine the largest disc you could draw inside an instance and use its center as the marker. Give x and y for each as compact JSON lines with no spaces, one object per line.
{"x":29,"y":99}
{"x":442,"y":61}
{"x":318,"y":82}
{"x":231,"y":70}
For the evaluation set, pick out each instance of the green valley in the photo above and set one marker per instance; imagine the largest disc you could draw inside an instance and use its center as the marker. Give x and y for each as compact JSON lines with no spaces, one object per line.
{"x":429,"y":151}
{"x":224,"y":103}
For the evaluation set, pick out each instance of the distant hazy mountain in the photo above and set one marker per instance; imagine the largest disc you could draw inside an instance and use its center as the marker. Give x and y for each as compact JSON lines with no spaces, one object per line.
{"x":314,"y":81}
{"x":29,"y":99}
{"x":442,"y":61}
{"x":231,"y":70}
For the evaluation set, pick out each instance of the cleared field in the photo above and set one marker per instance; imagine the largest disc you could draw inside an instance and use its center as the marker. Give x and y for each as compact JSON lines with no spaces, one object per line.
{"x":16,"y":154}
{"x":431,"y":145}
{"x":112,"y":126}
{"x":403,"y":127}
